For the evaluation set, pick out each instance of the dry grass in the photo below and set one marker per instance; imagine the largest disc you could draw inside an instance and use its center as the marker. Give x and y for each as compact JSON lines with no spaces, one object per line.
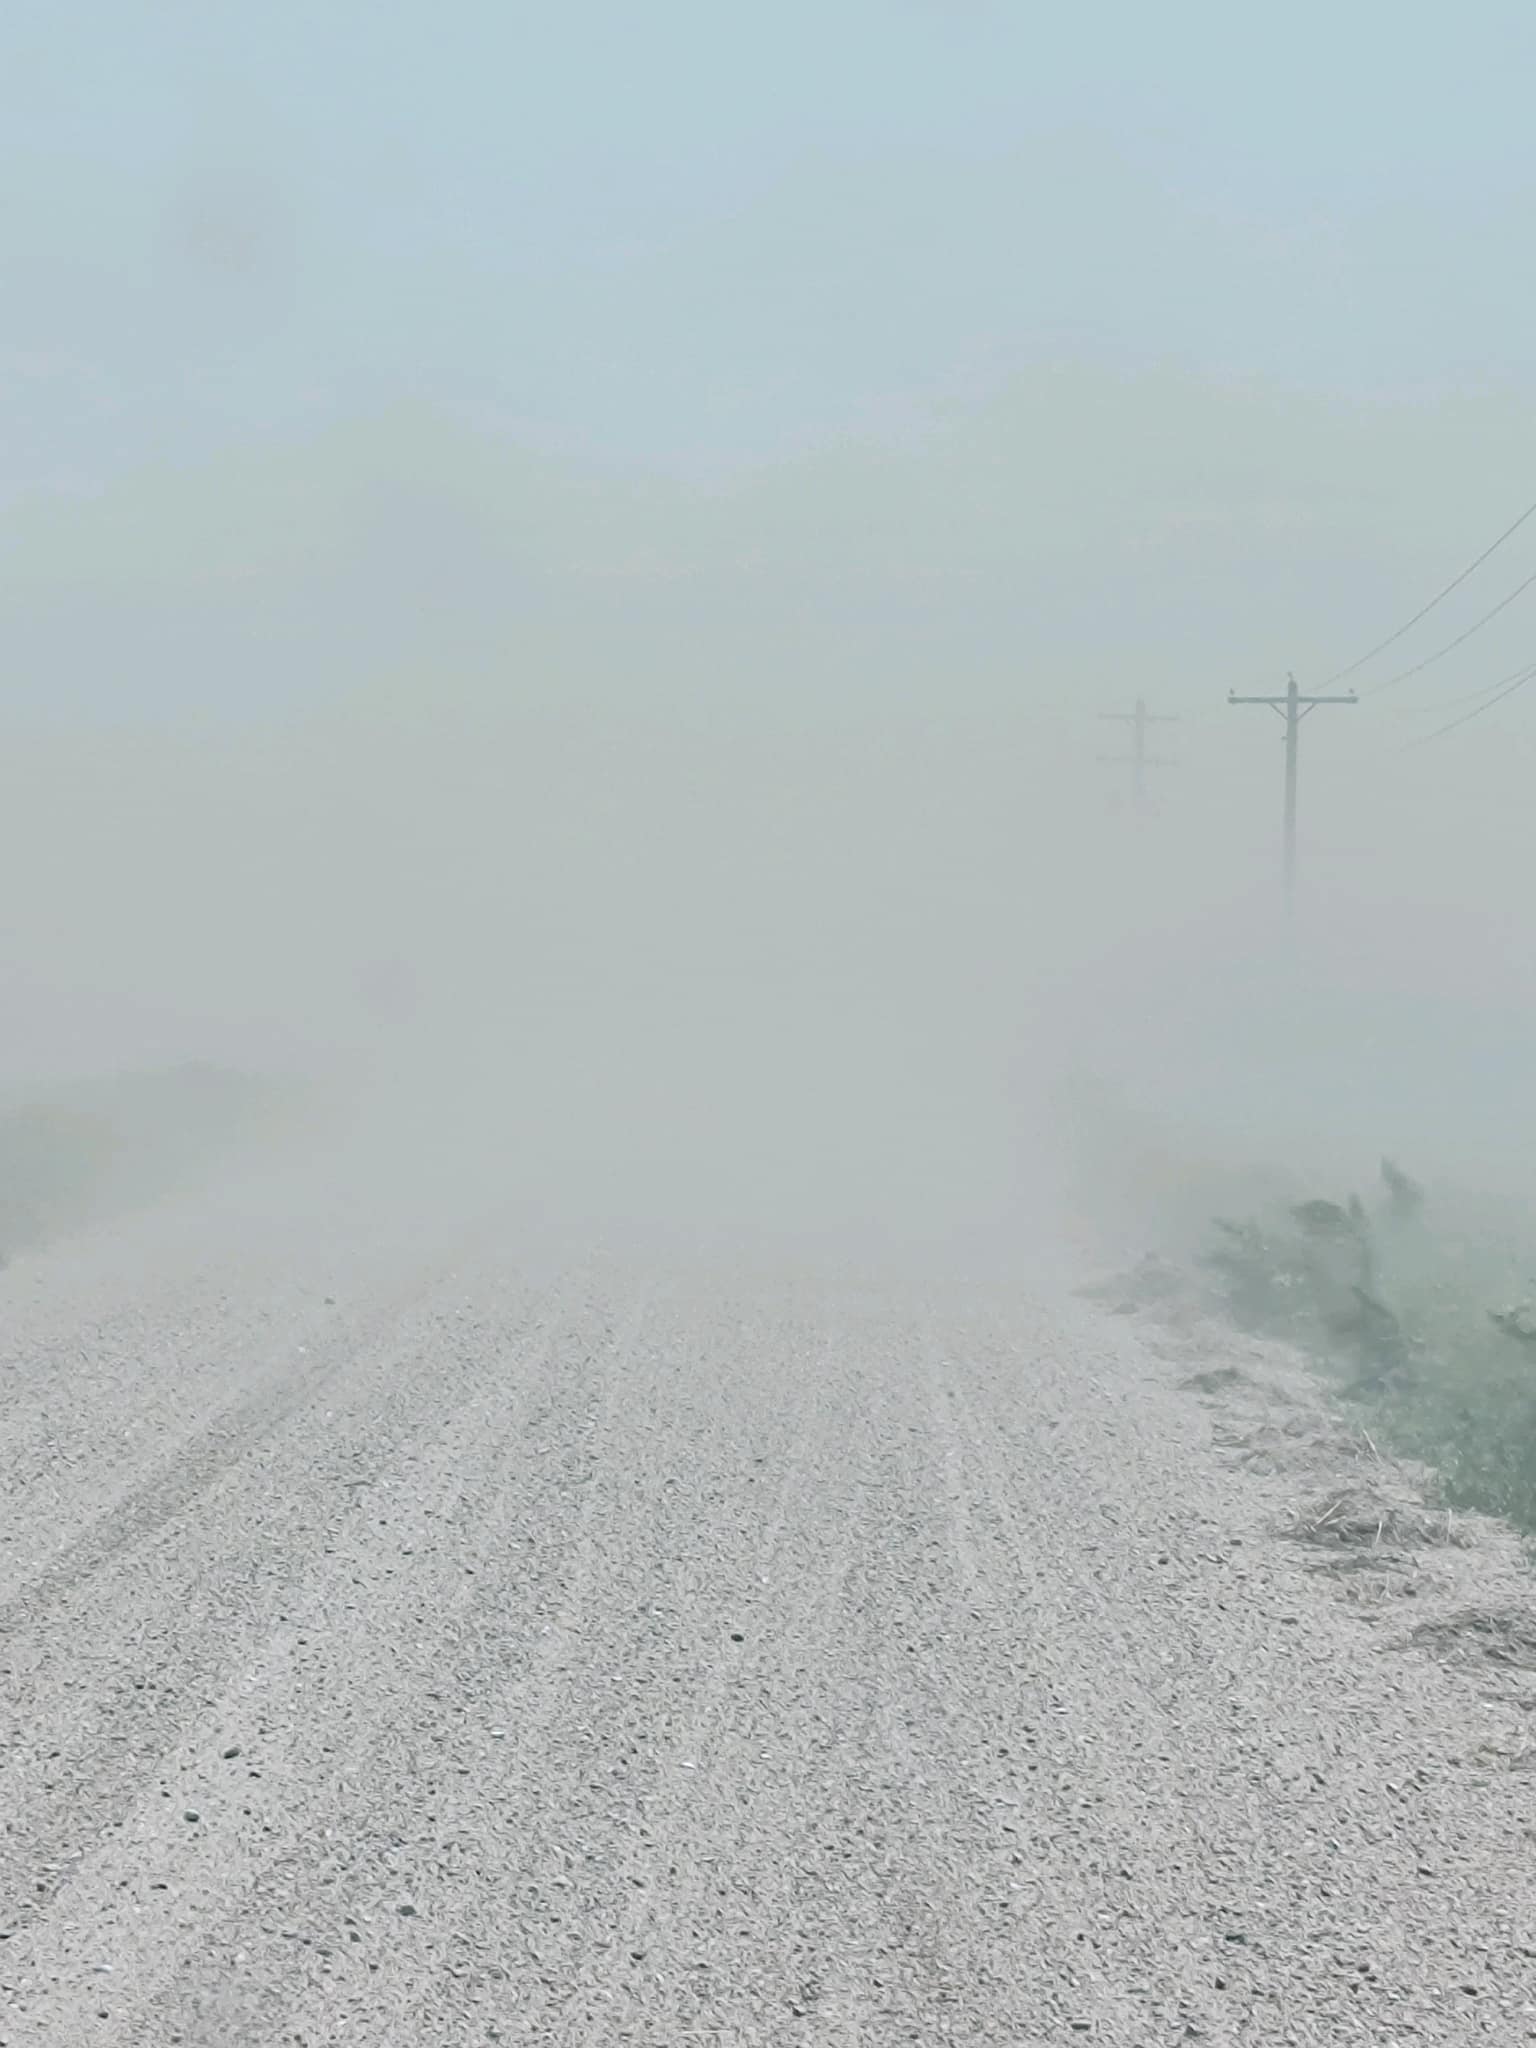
{"x":1502,"y":1637}
{"x":1369,"y":1580}
{"x":1362,"y":1517}
{"x":1304,"y":1442}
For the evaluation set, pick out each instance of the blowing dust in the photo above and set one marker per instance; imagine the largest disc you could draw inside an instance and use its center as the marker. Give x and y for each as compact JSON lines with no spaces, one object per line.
{"x":876,"y":977}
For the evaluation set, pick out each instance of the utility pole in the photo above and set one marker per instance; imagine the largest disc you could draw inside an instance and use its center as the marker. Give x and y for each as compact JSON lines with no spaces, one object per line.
{"x":1138,"y":760}
{"x":1293,"y":708}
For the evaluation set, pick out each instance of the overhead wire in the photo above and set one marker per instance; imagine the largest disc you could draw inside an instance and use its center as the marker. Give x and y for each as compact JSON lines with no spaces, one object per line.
{"x":1429,"y":706}
{"x":1439,"y":598}
{"x":1513,"y":684}
{"x":1450,"y":646}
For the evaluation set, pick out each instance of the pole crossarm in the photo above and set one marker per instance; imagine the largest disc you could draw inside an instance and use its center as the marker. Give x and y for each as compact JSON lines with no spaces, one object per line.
{"x":1279,"y":703}
{"x":1139,"y":760}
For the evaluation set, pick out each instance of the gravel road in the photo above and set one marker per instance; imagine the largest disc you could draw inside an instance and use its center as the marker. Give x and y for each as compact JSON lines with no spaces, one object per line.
{"x":433,"y":1639}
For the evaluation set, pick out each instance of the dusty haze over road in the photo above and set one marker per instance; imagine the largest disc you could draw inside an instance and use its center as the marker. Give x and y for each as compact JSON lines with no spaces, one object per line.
{"x":559,"y":572}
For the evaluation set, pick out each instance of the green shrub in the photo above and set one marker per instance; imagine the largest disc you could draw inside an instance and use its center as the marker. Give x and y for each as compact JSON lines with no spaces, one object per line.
{"x":1407,"y":1305}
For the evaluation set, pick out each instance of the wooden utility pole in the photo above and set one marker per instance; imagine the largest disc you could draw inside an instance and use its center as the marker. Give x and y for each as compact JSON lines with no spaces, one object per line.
{"x":1138,"y":760}
{"x":1293,"y":708}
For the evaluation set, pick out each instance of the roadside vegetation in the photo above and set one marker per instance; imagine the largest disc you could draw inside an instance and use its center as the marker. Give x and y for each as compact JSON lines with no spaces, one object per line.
{"x":85,"y":1152}
{"x":1420,"y":1305}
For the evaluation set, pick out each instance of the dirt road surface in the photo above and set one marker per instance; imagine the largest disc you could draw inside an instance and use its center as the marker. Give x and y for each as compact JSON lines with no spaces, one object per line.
{"x":439,"y":1639}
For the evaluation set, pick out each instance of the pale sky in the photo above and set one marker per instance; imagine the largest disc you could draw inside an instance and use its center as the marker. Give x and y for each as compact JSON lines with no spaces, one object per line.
{"x":691,"y":235}
{"x":1239,"y":299}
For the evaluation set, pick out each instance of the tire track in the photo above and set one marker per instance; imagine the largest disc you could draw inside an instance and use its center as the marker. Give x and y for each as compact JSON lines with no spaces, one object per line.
{"x":203,"y":1459}
{"x":83,"y":1756}
{"x":248,"y":1862}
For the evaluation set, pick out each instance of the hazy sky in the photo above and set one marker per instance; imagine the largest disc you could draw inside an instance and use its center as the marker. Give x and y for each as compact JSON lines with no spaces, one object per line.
{"x":1180,"y":291}
{"x":691,"y":235}
{"x":734,"y":454}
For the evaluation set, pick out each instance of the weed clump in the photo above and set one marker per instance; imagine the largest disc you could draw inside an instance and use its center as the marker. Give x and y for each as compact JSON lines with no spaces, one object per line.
{"x":1421,"y":1309}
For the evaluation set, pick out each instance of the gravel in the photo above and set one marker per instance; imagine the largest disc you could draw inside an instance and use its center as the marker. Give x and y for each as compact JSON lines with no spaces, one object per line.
{"x":416,"y":1639}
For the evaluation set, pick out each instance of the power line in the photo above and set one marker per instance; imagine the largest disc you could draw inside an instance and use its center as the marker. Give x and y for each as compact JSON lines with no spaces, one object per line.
{"x":1434,"y":704}
{"x":1439,"y":598}
{"x":1514,"y":683}
{"x":1451,"y":645}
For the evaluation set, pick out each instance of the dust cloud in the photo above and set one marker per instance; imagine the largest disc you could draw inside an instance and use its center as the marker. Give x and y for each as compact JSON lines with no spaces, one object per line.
{"x":619,"y":707}
{"x":698,"y":858}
